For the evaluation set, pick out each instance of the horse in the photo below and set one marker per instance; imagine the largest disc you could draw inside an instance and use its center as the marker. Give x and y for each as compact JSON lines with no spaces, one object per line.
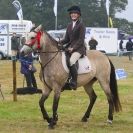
{"x":54,"y":76}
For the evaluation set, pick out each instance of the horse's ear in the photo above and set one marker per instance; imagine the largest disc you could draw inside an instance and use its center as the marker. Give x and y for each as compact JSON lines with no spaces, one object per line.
{"x":38,"y":28}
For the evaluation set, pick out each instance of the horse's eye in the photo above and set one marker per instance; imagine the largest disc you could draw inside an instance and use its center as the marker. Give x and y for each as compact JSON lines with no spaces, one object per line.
{"x":32,"y":37}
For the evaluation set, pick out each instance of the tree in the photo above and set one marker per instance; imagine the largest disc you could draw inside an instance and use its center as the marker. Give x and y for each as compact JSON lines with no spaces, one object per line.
{"x":124,"y":25}
{"x":6,"y":10}
{"x":41,"y":11}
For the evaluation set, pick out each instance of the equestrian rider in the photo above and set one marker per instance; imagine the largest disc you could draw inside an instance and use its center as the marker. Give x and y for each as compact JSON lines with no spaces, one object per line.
{"x":74,"y":38}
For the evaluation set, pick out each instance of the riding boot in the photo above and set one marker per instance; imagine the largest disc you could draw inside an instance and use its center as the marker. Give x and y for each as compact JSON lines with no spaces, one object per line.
{"x":73,"y":81}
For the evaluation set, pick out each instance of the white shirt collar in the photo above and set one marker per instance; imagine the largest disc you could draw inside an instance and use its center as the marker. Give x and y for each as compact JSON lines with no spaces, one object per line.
{"x":74,"y":23}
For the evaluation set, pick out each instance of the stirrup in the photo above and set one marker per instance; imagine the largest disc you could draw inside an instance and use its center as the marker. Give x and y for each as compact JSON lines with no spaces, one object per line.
{"x":66,"y":87}
{"x":73,"y":85}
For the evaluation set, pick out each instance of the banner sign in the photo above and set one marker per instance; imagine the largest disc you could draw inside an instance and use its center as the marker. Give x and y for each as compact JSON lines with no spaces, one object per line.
{"x":18,"y":27}
{"x":18,"y":7}
{"x":107,"y":38}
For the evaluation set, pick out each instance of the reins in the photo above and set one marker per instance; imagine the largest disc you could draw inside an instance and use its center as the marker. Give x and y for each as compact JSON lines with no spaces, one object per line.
{"x":43,"y":67}
{"x":50,"y":51}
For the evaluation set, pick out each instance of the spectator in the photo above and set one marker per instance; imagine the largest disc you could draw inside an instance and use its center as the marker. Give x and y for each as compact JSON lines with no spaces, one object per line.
{"x":23,"y":40}
{"x":120,"y":45}
{"x":14,"y":46}
{"x":93,"y":43}
{"x":129,"y":48}
{"x":28,"y":70}
{"x":121,"y":49}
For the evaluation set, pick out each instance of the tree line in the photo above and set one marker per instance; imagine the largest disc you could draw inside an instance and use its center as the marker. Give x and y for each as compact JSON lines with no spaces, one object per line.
{"x":93,"y":12}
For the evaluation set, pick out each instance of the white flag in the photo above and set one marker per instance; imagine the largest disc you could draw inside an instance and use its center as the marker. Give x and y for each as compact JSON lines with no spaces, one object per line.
{"x":107,"y":6}
{"x":55,"y":7}
{"x":18,"y":7}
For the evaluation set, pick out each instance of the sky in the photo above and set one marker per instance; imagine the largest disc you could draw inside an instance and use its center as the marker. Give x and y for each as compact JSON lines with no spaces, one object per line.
{"x":127,"y":14}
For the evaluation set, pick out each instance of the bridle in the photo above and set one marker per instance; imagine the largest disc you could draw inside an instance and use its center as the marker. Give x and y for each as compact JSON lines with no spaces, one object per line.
{"x":37,"y":38}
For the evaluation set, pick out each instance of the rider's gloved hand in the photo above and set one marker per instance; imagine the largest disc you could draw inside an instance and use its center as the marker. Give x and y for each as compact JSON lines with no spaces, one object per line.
{"x":70,"y":50}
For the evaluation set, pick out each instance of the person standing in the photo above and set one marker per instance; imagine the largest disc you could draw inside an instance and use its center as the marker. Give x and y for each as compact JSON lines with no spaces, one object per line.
{"x":74,"y":38}
{"x":28,"y":70}
{"x":121,"y":49}
{"x":23,"y":40}
{"x":120,"y":45}
{"x":93,"y":43}
{"x":129,"y":48}
{"x":14,"y":46}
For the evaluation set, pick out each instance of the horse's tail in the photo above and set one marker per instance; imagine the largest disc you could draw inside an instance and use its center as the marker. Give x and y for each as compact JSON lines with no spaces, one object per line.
{"x":114,"y":89}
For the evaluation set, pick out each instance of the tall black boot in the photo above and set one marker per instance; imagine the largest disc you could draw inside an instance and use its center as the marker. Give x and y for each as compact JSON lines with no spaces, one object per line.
{"x":73,"y":81}
{"x":33,"y":80}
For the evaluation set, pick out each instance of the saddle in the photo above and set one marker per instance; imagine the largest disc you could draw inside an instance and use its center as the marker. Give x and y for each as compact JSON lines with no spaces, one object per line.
{"x":83,"y":64}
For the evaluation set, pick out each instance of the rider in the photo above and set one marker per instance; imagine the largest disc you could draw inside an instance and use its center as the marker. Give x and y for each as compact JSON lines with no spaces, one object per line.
{"x":74,"y":38}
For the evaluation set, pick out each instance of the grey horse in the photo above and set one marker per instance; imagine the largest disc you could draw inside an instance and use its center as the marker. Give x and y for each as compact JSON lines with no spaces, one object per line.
{"x":54,"y":75}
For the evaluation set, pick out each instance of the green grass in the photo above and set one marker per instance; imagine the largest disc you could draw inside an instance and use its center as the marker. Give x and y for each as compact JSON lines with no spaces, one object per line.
{"x":24,"y":116}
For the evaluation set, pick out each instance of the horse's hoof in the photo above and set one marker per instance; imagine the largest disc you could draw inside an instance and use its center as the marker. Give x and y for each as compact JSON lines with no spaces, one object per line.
{"x":50,"y":120}
{"x":50,"y":126}
{"x":109,"y":121}
{"x":52,"y":123}
{"x":84,"y":119}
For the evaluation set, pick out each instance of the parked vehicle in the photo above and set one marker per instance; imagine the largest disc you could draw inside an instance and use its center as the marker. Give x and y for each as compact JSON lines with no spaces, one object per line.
{"x":7,"y":27}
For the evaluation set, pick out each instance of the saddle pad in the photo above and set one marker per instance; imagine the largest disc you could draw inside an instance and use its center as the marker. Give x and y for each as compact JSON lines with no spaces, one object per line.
{"x":84,"y":64}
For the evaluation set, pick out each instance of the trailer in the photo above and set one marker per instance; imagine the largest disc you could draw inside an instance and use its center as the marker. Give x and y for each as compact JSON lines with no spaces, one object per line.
{"x":107,"y":39}
{"x":7,"y":28}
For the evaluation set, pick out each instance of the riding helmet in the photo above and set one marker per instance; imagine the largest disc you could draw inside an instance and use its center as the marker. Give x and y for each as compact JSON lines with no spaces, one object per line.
{"x":74,"y":9}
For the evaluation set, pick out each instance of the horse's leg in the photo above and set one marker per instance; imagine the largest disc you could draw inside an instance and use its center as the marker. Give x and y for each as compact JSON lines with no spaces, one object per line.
{"x":89,"y":90}
{"x":57,"y":92}
{"x":106,"y":88}
{"x":41,"y":104}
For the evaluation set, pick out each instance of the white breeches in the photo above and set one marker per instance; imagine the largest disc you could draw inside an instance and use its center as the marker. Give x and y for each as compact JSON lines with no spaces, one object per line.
{"x":74,"y":57}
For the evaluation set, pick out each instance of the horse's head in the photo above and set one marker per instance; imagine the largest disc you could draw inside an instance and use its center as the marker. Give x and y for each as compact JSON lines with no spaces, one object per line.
{"x":33,"y":41}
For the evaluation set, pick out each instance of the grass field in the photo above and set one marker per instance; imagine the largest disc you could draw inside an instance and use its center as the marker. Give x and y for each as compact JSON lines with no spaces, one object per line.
{"x":24,"y":116}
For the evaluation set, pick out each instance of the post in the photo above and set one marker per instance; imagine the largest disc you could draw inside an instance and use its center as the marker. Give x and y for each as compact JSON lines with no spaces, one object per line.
{"x":107,"y":4}
{"x":1,"y":92}
{"x":56,"y":22}
{"x":14,"y":80}
{"x":55,"y":12}
{"x":8,"y":44}
{"x":108,"y":22}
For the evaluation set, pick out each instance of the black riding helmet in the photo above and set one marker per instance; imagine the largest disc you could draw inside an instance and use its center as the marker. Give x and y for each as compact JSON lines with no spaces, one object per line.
{"x":74,"y":9}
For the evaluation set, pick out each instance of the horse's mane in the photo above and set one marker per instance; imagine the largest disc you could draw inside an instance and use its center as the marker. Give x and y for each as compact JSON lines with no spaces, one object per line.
{"x":52,"y":39}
